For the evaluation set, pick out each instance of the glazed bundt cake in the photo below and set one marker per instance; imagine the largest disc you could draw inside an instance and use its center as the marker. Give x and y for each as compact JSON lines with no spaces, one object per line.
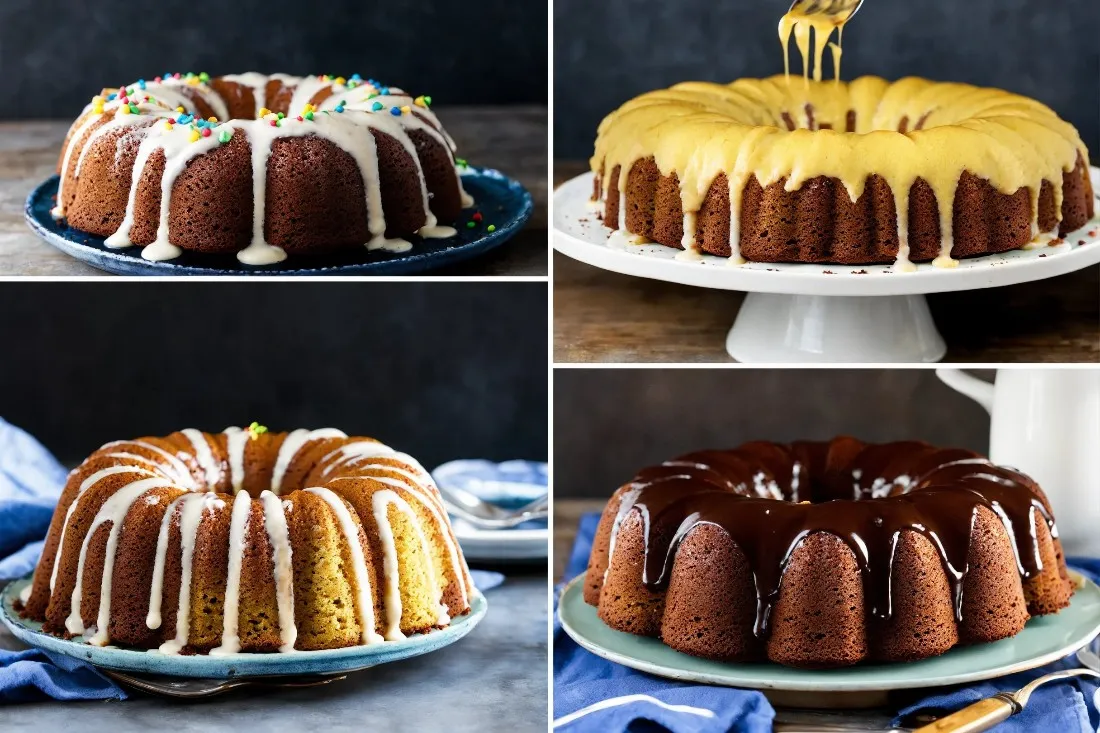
{"x":799,"y":170}
{"x":248,"y":540}
{"x":260,"y":166}
{"x":825,"y":554}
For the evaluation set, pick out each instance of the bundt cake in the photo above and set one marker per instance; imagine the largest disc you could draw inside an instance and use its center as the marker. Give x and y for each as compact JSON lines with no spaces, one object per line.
{"x":248,"y":540}
{"x":825,"y":554}
{"x":260,"y":166}
{"x":800,"y":170}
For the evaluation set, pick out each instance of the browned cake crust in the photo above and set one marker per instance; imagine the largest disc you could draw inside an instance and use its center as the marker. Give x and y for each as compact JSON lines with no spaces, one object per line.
{"x":824,"y":613}
{"x":819,"y":222}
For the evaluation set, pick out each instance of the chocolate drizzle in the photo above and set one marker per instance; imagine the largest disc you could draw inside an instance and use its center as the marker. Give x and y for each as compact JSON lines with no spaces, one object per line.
{"x":916,"y":487}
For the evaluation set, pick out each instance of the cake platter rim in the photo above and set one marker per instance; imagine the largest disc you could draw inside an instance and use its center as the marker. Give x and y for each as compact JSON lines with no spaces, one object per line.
{"x":241,"y":665}
{"x":515,"y":202}
{"x":578,"y":233}
{"x":766,"y":676}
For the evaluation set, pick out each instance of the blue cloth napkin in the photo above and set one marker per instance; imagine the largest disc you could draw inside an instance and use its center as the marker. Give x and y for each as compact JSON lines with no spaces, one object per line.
{"x":31,"y":480}
{"x":593,"y":694}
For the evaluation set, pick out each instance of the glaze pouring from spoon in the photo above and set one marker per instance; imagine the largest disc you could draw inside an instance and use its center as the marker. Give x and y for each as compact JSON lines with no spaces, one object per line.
{"x":823,"y":16}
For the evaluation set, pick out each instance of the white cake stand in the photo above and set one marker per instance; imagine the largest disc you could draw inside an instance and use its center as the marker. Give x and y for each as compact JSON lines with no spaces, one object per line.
{"x":817,"y":313}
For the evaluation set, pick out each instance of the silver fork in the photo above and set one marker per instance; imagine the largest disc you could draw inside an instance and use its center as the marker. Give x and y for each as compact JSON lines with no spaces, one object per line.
{"x":487,"y":515}
{"x":842,"y":10}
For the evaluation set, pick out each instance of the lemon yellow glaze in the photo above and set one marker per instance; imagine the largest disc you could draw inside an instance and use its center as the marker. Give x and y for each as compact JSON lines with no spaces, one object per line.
{"x":699,"y":130}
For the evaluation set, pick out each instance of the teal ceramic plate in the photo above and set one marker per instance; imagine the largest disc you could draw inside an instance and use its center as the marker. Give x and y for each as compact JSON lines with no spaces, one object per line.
{"x":238,"y":665}
{"x":1042,"y":641}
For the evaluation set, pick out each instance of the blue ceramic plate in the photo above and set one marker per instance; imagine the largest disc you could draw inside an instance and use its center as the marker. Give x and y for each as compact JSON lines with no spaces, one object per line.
{"x":1043,"y":640}
{"x":504,"y":203}
{"x":238,"y":665}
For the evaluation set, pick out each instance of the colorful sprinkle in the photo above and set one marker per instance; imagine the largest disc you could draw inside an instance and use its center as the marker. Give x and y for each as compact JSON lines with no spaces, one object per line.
{"x":206,"y":132}
{"x":477,"y":216}
{"x":125,"y":110}
{"x":309,"y":115}
{"x":204,"y":77}
{"x":491,"y":228}
{"x":180,"y":109}
{"x":471,"y":224}
{"x":395,"y":111}
{"x":377,"y":106}
{"x":264,"y":111}
{"x":461,"y":163}
{"x":194,"y":136}
{"x":423,"y":101}
{"x":340,"y":80}
{"x":255,"y":430}
{"x":141,"y":84}
{"x":224,"y":136}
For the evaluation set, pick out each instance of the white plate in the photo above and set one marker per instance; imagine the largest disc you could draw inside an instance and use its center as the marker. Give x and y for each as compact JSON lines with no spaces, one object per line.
{"x":509,"y":545}
{"x":1043,"y":640}
{"x":787,"y":316}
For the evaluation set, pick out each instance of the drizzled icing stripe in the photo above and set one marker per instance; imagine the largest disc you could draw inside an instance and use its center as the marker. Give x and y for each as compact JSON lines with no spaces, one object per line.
{"x":113,"y":511}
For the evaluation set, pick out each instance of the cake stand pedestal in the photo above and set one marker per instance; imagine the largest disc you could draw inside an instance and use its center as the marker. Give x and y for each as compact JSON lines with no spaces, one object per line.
{"x":817,"y":313}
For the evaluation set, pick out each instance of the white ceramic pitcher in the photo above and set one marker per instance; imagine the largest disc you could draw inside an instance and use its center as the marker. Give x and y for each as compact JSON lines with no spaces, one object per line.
{"x":1046,"y":423}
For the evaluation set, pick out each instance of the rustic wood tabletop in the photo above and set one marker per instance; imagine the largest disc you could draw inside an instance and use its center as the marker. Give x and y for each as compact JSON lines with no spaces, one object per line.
{"x":510,"y":139}
{"x":601,"y":316}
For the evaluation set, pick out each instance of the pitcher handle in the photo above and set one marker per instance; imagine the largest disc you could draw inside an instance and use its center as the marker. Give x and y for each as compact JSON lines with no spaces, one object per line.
{"x":976,"y":389}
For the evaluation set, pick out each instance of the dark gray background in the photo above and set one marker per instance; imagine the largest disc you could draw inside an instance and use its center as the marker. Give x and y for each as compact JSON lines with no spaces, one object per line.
{"x":440,"y":370}
{"x":609,"y":51}
{"x":608,"y":423}
{"x":55,"y":54}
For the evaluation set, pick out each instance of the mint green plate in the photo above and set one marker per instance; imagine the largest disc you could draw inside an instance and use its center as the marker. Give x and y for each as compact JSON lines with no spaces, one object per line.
{"x":327,"y":661}
{"x":1043,"y":640}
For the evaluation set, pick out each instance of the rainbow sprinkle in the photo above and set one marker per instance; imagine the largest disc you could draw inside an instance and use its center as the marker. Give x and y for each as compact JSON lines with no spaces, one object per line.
{"x":255,"y":430}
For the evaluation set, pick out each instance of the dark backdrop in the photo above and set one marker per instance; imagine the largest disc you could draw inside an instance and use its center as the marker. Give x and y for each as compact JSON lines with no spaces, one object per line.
{"x":608,"y":423}
{"x":55,"y":54}
{"x":609,"y":51}
{"x":440,"y":370}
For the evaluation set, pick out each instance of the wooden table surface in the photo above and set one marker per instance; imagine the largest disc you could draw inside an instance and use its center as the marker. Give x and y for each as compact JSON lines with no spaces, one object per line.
{"x":601,"y":316}
{"x":510,"y":139}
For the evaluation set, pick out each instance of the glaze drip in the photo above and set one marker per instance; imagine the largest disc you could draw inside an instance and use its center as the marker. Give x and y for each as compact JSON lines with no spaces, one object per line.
{"x":865,"y":495}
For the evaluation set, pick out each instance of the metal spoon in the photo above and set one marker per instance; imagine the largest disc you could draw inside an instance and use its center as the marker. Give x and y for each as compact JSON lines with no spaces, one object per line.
{"x":986,"y":713}
{"x":190,"y":688}
{"x":487,"y":515}
{"x":840,"y":9}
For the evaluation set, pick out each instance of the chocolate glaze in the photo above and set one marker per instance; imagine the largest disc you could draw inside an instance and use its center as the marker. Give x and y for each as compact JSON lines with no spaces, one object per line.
{"x":865,"y":495}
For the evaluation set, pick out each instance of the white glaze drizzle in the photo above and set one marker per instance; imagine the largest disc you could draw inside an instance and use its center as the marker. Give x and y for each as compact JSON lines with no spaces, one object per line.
{"x":205,"y":456}
{"x":236,"y":440}
{"x":292,"y":444}
{"x":238,"y":531}
{"x":278,"y":535}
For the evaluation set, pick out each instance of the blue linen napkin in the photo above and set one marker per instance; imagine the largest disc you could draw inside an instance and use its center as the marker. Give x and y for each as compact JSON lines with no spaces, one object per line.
{"x":593,"y":694}
{"x":31,"y":480}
